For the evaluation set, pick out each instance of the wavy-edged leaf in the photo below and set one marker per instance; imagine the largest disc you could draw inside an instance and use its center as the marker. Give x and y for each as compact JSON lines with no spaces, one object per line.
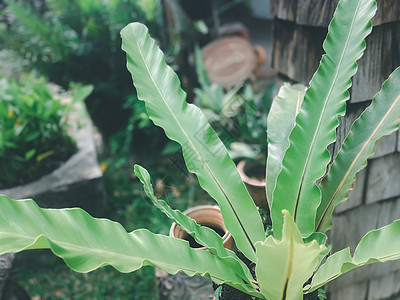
{"x":281,"y":120}
{"x":284,"y":266}
{"x":306,"y":159}
{"x":204,"y":153}
{"x":381,"y":118}
{"x":378,"y":245}
{"x":203,"y":235}
{"x":86,"y":243}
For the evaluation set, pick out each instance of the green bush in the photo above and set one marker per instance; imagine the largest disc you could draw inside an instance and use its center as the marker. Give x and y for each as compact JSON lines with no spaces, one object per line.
{"x":79,"y":41}
{"x":33,"y":129}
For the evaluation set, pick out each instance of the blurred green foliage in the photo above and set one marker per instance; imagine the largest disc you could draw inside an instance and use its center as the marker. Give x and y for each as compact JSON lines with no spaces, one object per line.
{"x":33,"y":129}
{"x":54,"y":280}
{"x":239,"y":116}
{"x":78,"y":40}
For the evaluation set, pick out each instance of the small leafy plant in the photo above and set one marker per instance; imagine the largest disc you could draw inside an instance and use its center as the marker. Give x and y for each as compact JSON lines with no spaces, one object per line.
{"x":239,"y":116}
{"x":78,"y":41}
{"x":34,"y":137}
{"x":288,"y":262}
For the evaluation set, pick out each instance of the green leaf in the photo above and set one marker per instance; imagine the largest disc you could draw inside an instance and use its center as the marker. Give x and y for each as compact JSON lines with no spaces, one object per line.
{"x":306,"y":159}
{"x":284,"y":266}
{"x":86,"y":243}
{"x":201,"y":72}
{"x":281,"y":120}
{"x":30,"y":154}
{"x":203,"y":235}
{"x":82,"y":92}
{"x":376,"y":246}
{"x":44,"y":155}
{"x":204,"y":153}
{"x":381,"y":118}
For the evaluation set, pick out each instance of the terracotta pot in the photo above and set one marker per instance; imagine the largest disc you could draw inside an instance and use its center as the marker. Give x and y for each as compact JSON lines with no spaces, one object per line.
{"x":205,"y":215}
{"x":253,"y":176}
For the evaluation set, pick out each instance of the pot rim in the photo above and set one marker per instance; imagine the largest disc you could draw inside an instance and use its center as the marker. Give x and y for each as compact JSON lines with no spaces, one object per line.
{"x":226,"y":238}
{"x":251,"y":181}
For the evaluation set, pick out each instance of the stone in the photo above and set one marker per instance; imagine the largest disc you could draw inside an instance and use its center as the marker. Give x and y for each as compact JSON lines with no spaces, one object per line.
{"x":182,"y":287}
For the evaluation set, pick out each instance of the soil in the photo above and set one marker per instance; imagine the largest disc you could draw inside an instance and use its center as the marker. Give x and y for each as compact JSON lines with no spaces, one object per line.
{"x":231,"y":293}
{"x":255,"y":171}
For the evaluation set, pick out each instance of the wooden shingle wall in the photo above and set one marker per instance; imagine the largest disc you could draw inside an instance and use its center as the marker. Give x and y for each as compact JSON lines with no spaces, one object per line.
{"x":300,"y":28}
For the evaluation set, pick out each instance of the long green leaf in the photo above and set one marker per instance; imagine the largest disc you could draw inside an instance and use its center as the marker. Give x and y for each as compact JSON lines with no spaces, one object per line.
{"x":379,"y":245}
{"x":381,"y":118}
{"x":281,"y":120}
{"x":306,"y":159}
{"x":204,"y":153}
{"x":86,"y":243}
{"x":284,"y":266}
{"x":203,"y":235}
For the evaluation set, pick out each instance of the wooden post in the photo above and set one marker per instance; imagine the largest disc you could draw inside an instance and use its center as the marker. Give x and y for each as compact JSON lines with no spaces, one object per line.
{"x":300,"y":28}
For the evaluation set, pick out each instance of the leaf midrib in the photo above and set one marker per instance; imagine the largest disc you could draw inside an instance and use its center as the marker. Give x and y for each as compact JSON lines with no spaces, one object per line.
{"x":324,"y":108}
{"x":340,"y":186}
{"x":192,"y":145}
{"x":290,"y":265}
{"x":94,"y":250}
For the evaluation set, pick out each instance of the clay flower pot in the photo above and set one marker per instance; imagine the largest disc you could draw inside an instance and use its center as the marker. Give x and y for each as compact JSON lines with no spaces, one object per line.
{"x":253,"y":176}
{"x":205,"y":215}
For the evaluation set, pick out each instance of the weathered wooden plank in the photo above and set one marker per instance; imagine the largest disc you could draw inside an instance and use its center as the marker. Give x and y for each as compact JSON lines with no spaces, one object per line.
{"x":386,"y":146}
{"x":284,"y":10}
{"x":355,"y":195}
{"x":398,"y":141}
{"x":388,"y":11}
{"x":315,"y":12}
{"x":320,"y":12}
{"x":354,"y":292}
{"x":297,"y":50}
{"x":380,"y":58}
{"x":353,"y":111}
{"x":383,"y":179}
{"x":368,"y":79}
{"x":349,"y":227}
{"x":385,"y":287}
